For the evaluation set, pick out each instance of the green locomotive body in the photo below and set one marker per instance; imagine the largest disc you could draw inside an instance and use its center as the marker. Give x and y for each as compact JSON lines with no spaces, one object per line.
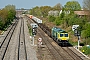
{"x":59,"y":35}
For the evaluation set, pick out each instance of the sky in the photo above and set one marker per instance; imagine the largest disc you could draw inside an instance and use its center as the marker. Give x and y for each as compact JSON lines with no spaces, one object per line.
{"x":28,"y":4}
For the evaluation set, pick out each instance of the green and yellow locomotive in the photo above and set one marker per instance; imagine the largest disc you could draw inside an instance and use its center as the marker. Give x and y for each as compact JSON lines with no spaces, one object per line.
{"x":60,"y":36}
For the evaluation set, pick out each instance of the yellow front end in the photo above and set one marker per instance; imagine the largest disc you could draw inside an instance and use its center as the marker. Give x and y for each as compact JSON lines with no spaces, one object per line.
{"x":63,"y":36}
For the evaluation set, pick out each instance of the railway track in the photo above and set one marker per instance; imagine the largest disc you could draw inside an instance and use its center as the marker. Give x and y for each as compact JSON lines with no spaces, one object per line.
{"x":8,"y":31}
{"x":5,"y":43}
{"x":51,"y":48}
{"x":58,"y":52}
{"x":65,"y":52}
{"x":54,"y":48}
{"x":72,"y":54}
{"x":22,"y":54}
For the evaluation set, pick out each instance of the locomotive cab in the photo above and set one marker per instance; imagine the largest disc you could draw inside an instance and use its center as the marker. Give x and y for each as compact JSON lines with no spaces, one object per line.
{"x":60,"y":36}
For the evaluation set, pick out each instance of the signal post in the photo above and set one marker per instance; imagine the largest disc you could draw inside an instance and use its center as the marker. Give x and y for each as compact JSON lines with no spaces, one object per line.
{"x":76,"y":33}
{"x":34,"y":30}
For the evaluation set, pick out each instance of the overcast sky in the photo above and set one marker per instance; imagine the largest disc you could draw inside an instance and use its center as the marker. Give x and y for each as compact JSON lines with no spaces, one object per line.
{"x":28,"y":4}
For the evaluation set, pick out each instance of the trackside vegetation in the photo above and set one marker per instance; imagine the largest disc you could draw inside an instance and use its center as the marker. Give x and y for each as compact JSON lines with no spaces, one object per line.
{"x":7,"y":15}
{"x":85,"y":50}
{"x":66,"y":18}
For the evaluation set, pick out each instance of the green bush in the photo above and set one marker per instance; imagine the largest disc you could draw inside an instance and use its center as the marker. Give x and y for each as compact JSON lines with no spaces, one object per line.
{"x":87,"y":41}
{"x":58,"y":21}
{"x":7,"y":15}
{"x":86,"y":50}
{"x":51,"y":18}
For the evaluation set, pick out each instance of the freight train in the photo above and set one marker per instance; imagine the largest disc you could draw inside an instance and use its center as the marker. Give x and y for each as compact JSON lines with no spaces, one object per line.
{"x":60,"y":36}
{"x":57,"y":34}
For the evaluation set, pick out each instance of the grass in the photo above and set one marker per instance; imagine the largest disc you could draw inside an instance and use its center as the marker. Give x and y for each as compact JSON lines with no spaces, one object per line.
{"x":1,"y":32}
{"x":30,"y":30}
{"x":73,"y":43}
{"x":86,"y":50}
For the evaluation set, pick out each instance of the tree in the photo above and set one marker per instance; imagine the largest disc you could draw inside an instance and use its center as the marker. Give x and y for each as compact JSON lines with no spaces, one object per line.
{"x":86,"y":4}
{"x":3,"y":18}
{"x":72,"y":6}
{"x":45,"y":10}
{"x":57,"y":7}
{"x":7,"y":15}
{"x":51,"y":18}
{"x":11,"y":13}
{"x":58,"y":21}
{"x":35,"y":11}
{"x":40,"y":11}
{"x":62,"y":14}
{"x":86,"y":31}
